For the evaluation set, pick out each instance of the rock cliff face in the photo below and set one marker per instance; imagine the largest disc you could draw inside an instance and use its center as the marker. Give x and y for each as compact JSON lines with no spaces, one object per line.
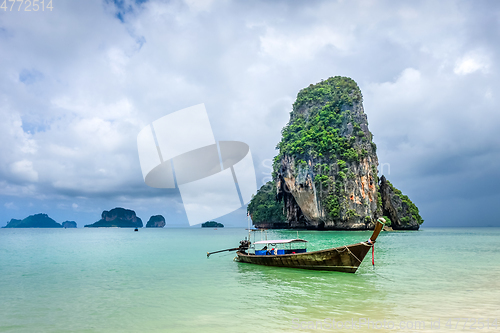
{"x":34,"y":221}
{"x":69,"y":224}
{"x":326,"y":169}
{"x":156,"y":221}
{"x":117,"y":217}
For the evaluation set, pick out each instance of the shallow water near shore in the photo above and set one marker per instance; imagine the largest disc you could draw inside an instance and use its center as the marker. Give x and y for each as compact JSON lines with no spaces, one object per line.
{"x":159,"y":280}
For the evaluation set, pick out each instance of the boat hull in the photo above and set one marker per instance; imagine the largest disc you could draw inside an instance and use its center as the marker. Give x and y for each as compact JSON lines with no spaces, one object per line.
{"x":342,"y":259}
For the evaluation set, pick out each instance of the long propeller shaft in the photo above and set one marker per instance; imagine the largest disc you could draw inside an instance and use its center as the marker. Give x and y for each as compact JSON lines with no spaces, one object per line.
{"x":233,"y":249}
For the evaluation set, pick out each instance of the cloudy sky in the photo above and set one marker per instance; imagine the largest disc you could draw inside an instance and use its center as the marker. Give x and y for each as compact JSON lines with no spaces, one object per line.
{"x":78,"y":83}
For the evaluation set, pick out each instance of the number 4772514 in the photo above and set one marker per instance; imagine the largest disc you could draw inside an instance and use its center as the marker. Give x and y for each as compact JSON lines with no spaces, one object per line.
{"x":26,"y":5}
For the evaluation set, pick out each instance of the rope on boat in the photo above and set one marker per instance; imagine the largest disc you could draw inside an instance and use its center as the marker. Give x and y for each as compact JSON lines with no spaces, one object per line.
{"x":352,"y":254}
{"x":369,"y":244}
{"x":345,"y":246}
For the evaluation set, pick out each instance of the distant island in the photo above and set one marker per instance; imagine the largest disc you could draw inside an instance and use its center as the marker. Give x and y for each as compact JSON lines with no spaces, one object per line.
{"x":117,"y":217}
{"x":325,"y":176}
{"x":34,"y":221}
{"x":156,"y":221}
{"x":212,"y":224}
{"x":69,"y":224}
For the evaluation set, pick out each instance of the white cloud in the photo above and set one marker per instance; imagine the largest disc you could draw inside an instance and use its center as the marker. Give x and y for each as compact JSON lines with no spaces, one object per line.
{"x":24,"y":171}
{"x":472,"y":62}
{"x":407,"y":88}
{"x":117,"y":61}
{"x":199,"y":5}
{"x":290,"y":47}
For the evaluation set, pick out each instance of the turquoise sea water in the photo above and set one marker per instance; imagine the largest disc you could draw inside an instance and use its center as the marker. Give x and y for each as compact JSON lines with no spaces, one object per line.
{"x":159,"y":280}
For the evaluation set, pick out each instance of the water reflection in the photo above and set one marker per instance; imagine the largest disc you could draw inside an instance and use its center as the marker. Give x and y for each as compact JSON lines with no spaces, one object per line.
{"x":312,"y":295}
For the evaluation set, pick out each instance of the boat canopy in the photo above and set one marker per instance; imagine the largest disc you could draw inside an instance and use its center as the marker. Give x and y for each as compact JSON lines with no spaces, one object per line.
{"x":281,"y":241}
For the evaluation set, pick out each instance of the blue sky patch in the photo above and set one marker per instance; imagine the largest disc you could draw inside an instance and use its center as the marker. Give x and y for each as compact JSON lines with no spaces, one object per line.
{"x":124,"y":7}
{"x":30,"y":76}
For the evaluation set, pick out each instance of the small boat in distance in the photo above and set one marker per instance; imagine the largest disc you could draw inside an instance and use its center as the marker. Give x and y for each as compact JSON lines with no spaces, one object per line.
{"x":292,"y":253}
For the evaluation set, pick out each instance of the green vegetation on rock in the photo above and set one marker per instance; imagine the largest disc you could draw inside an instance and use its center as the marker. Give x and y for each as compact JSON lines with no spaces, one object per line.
{"x":388,"y":221}
{"x":319,"y":130}
{"x":344,"y":90}
{"x":264,"y":208}
{"x":317,"y":134}
{"x":411,"y":206}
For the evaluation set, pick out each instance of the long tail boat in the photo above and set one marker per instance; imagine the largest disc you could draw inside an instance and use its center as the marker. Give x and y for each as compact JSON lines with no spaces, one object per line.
{"x":345,"y":258}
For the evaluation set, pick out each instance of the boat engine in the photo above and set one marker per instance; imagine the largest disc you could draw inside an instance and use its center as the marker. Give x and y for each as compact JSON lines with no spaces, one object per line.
{"x":244,"y":245}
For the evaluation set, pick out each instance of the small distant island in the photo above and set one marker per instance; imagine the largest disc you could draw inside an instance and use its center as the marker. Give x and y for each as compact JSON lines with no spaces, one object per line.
{"x":34,"y":221}
{"x":69,"y":224}
{"x":156,"y":221}
{"x":212,"y":224}
{"x":117,"y":217}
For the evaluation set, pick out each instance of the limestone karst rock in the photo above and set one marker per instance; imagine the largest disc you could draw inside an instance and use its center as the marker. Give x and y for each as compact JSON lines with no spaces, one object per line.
{"x":156,"y":221}
{"x":326,"y":169}
{"x":117,"y":217}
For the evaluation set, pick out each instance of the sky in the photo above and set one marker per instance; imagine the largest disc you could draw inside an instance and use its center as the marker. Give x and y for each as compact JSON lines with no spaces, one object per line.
{"x":80,"y":81}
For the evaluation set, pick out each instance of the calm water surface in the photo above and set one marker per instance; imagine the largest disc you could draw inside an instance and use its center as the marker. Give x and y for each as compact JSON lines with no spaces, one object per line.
{"x":159,"y":280}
